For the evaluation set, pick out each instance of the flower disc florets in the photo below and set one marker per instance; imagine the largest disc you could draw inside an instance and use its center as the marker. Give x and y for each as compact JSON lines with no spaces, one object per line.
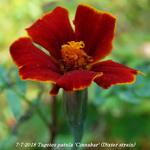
{"x":74,"y":56}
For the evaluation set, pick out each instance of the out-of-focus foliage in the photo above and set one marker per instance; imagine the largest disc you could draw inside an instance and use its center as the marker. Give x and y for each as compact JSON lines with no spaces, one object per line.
{"x":120,"y":114}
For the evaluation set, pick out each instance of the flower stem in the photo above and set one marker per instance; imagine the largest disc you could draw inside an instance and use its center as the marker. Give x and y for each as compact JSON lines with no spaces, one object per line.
{"x":75,"y":109}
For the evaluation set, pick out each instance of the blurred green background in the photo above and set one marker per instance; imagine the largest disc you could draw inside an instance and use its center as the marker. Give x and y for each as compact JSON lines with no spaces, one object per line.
{"x":119,"y":114}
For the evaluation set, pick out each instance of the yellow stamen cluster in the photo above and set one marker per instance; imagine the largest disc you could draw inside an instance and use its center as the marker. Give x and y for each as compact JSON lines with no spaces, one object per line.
{"x":73,"y":56}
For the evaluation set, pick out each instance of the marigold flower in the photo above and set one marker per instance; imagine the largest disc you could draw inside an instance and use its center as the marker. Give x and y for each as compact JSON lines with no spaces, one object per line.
{"x":72,"y":62}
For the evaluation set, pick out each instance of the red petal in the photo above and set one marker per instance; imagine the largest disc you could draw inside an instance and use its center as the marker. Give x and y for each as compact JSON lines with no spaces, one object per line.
{"x":33,"y":63}
{"x":113,"y":73}
{"x":52,"y":30}
{"x":77,"y":79}
{"x":39,"y":73}
{"x":96,"y":29}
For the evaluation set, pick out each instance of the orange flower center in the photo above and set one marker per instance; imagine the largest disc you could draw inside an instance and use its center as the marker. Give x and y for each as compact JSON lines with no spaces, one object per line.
{"x":73,"y":56}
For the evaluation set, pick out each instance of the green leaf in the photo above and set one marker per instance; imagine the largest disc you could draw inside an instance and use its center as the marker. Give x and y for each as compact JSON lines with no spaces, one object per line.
{"x":21,"y":85}
{"x":8,"y":143}
{"x":142,"y":87}
{"x":14,"y":103}
{"x":3,"y":75}
{"x":129,"y":97}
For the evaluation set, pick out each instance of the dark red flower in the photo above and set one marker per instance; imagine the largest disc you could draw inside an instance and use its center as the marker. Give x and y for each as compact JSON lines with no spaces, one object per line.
{"x":72,"y":61}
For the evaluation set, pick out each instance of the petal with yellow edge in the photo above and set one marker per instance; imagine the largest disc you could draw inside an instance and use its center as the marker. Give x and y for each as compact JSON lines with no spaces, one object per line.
{"x":96,"y":29}
{"x":77,"y":80}
{"x":114,"y":74}
{"x":33,"y":63}
{"x":52,"y":30}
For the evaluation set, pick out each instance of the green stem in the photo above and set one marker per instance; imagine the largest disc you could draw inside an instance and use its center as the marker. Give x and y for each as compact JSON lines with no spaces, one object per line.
{"x":30,"y":103}
{"x":75,"y":109}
